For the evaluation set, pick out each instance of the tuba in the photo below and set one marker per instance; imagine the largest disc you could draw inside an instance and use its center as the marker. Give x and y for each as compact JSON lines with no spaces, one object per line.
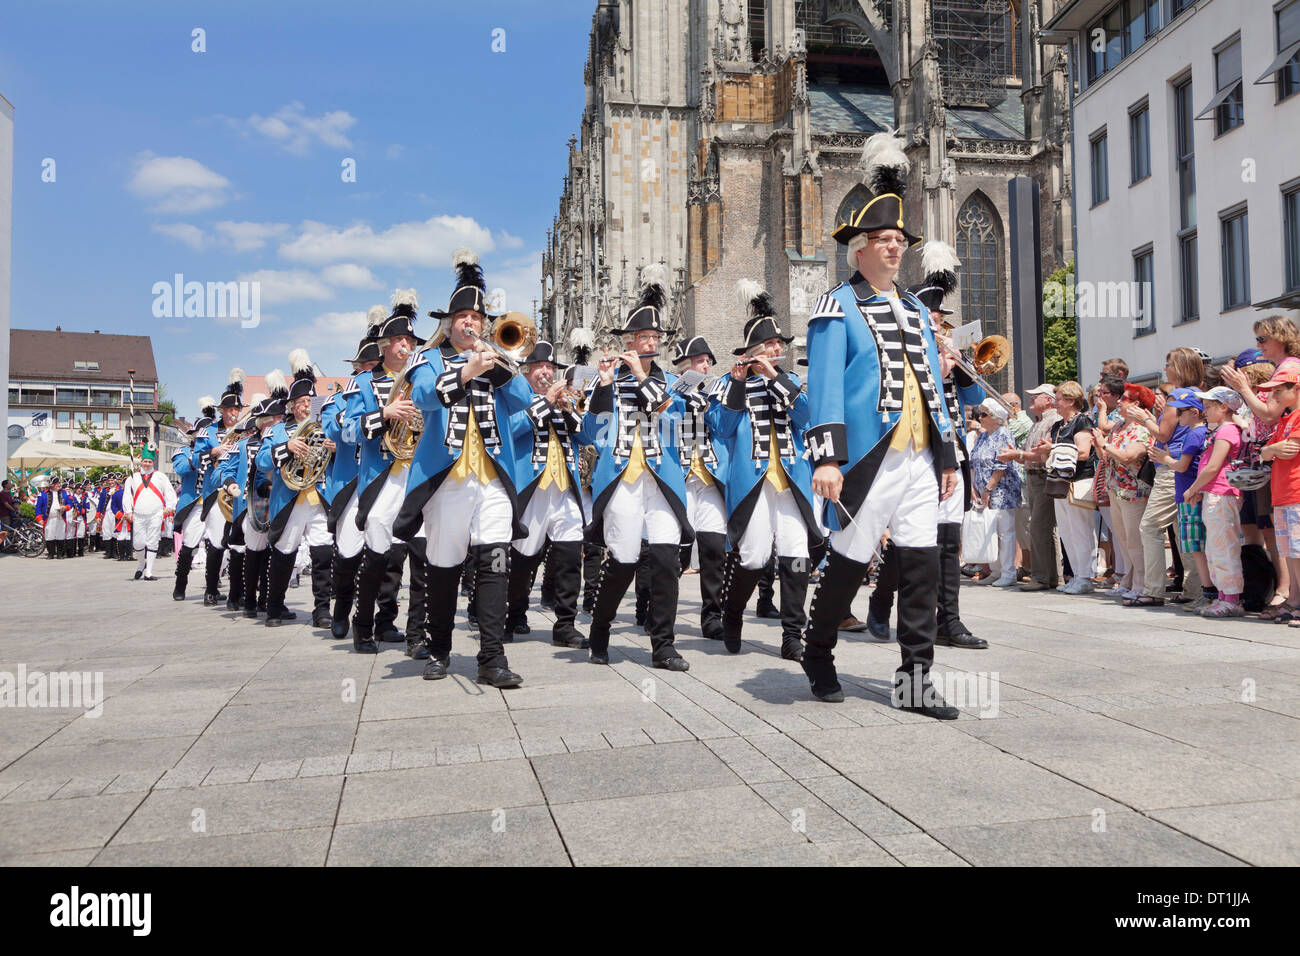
{"x":301,"y":473}
{"x":400,"y":438}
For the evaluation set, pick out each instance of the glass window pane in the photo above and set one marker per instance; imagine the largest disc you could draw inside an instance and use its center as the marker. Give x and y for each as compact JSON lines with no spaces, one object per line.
{"x":79,"y":418}
{"x":114,"y":420}
{"x":1187,"y":277}
{"x":1137,"y":24}
{"x":1153,"y":17}
{"x":1140,"y":144}
{"x":1227,"y":65}
{"x":63,"y":419}
{"x":1291,"y":231}
{"x":1236,"y":259}
{"x":1113,"y":24}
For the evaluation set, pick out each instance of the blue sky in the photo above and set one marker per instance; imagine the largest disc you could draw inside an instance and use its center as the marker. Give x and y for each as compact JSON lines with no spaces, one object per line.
{"x":226,"y":165}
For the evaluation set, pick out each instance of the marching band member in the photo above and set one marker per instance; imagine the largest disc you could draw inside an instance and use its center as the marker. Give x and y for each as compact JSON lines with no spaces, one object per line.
{"x":215,"y":446}
{"x":550,"y":497}
{"x":188,"y":506}
{"x":121,"y":527}
{"x":939,"y":261}
{"x":242,"y":430}
{"x":100,"y":502}
{"x":145,"y":497}
{"x":364,"y":532}
{"x":705,"y":462}
{"x":295,"y":514}
{"x":638,"y":486}
{"x":51,"y":512}
{"x":461,"y":487}
{"x":256,"y":500}
{"x":79,"y":531}
{"x":881,"y":441}
{"x":762,"y":418}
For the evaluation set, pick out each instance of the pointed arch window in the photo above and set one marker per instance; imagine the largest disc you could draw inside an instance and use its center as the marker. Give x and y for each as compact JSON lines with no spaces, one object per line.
{"x":979,"y":247}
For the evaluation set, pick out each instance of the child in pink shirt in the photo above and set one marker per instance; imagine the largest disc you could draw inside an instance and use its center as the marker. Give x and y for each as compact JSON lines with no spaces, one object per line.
{"x":1220,"y":510}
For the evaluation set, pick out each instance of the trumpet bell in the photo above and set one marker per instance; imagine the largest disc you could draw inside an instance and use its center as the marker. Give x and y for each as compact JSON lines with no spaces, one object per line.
{"x":991,"y":354}
{"x":515,"y":332}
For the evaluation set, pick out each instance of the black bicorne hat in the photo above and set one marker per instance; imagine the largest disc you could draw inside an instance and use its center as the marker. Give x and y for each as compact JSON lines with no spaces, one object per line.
{"x":471,"y":287}
{"x":402,"y":319}
{"x":233,"y":396}
{"x":543,"y":351}
{"x":886,"y":168}
{"x":647,"y":313}
{"x":277,"y":402}
{"x":762,"y":324}
{"x":304,"y":376}
{"x":691,"y":348}
{"x":368,"y":347}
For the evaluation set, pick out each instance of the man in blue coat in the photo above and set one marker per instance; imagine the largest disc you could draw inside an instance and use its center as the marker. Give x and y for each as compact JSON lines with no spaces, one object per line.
{"x":461,"y":486}
{"x":216,"y":448}
{"x":881,"y":441}
{"x":639,"y":486}
{"x":255,"y":516}
{"x":769,"y":484}
{"x":190,"y":468}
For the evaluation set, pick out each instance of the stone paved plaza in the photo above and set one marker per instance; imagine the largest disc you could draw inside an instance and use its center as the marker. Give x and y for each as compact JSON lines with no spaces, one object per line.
{"x":1116,"y":737}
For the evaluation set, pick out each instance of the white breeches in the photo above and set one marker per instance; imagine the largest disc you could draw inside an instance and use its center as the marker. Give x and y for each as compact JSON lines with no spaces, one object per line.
{"x":550,"y":514}
{"x":904,"y":497}
{"x":705,"y":509}
{"x":775,"y":520}
{"x":462,"y":514}
{"x":304,"y":521}
{"x":638,"y":510}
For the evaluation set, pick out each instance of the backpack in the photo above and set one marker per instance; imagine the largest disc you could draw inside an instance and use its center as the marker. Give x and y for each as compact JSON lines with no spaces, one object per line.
{"x":1259,"y":576}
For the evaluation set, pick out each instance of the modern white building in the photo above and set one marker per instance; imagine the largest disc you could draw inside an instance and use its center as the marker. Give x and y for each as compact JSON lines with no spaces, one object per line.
{"x":1186,"y":137}
{"x":6,"y":224}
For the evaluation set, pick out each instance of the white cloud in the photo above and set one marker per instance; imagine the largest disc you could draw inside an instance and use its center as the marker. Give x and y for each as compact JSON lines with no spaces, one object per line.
{"x":201,"y":357}
{"x":294,"y":131}
{"x":192,"y":236}
{"x":507,"y":241}
{"x":247,"y":236}
{"x":350,"y":276}
{"x":177,"y":184}
{"x":291,"y":286}
{"x":520,"y":279}
{"x":328,"y":337}
{"x":428,"y":243}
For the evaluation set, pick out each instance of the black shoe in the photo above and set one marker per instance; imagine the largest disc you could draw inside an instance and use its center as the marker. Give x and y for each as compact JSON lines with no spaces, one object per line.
{"x":473,"y":622}
{"x":287,"y":615}
{"x":435,"y":669}
{"x":573,"y":640}
{"x":139,"y":575}
{"x":321,"y":618}
{"x":792,"y":650}
{"x":178,"y":595}
{"x":148,"y":577}
{"x":962,"y":638}
{"x":828,"y":696}
{"x":969,"y":570}
{"x":877,"y":628}
{"x":209,"y":600}
{"x":520,"y":627}
{"x":767,"y":609}
{"x":416,"y":650}
{"x":232,"y":604}
{"x":673,"y":664}
{"x":547,"y":604}
{"x":598,"y":657}
{"x":390,"y":636}
{"x":249,"y":612}
{"x":930,"y":703}
{"x":498,"y":677}
{"x":363,"y":643}
{"x":273,"y":621}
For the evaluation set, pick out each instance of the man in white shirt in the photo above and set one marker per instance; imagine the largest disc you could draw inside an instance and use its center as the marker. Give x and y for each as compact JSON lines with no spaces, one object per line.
{"x":146,"y":497}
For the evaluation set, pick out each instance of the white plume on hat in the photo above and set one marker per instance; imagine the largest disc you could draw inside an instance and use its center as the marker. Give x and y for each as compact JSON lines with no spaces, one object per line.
{"x":884,"y":164}
{"x":582,"y":338}
{"x":746,"y":291}
{"x":656,"y":273}
{"x":236,"y":376}
{"x":404,"y":297}
{"x":259,"y":397}
{"x":938,"y":256}
{"x":299,"y":361}
{"x":376,"y":315}
{"x":275,"y":382}
{"x":464,"y":256}
{"x":207,"y":405}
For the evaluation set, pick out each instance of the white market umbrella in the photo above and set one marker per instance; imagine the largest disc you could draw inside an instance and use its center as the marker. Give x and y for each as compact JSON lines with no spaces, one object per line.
{"x":30,"y":454}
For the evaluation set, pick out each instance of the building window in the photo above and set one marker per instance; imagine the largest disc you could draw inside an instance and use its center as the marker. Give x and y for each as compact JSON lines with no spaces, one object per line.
{"x":1288,"y":35}
{"x":1236,"y":258}
{"x":105,"y":396}
{"x":1139,"y":139}
{"x":114,"y":420}
{"x":1100,"y":172}
{"x":70,"y":396}
{"x":62,"y":419}
{"x":979,"y":247}
{"x":142,"y":398}
{"x":43,"y":395}
{"x":97,"y":419}
{"x":79,"y":418}
{"x":138,"y":434}
{"x":13,"y":395}
{"x":1144,"y":301}
{"x":1291,"y":236}
{"x":1178,"y":6}
{"x":1231,"y":110}
{"x":1119,"y":32}
{"x":85,"y":366}
{"x":1187,"y":284}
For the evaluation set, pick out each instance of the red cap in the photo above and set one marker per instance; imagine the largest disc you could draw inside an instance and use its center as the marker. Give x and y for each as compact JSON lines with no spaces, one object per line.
{"x":1287,"y":376}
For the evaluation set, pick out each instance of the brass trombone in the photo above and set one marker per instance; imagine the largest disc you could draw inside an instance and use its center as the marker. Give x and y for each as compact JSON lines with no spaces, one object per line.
{"x":989,"y":357}
{"x":514,"y":335}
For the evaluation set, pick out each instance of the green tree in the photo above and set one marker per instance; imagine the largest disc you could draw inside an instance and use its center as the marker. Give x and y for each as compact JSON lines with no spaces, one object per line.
{"x":1060,"y":326}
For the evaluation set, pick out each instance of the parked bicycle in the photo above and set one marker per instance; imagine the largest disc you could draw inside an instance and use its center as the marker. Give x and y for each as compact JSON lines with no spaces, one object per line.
{"x":25,"y":537}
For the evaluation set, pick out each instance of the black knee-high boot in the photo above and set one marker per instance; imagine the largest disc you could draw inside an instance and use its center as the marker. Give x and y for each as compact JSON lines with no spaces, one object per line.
{"x":880,"y":606}
{"x":591,"y":560}
{"x":491,"y":581}
{"x":184,"y":558}
{"x":523,"y":571}
{"x":81,"y":547}
{"x":417,"y":608}
{"x":321,"y":557}
{"x":441,"y":587}
{"x":642,"y":584}
{"x":374,"y":566}
{"x":611,"y":585}
{"x":254,"y":567}
{"x":831,"y":603}
{"x":684,"y":557}
{"x":49,"y":550}
{"x":277,"y":585}
{"x":128,"y":552}
{"x":793,"y":573}
{"x":547,"y":600}
{"x":918,"y":569}
{"x":713,"y":550}
{"x":212,"y":572}
{"x":661,"y":615}
{"x":951,"y":631}
{"x":738,"y":585}
{"x":386,"y":601}
{"x":109,"y":544}
{"x":766,"y":606}
{"x":236,"y":597}
{"x":566,"y":557}
{"x":345,"y":590}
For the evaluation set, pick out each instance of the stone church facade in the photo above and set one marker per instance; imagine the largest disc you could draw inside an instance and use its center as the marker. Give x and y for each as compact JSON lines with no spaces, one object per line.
{"x":722,"y":138}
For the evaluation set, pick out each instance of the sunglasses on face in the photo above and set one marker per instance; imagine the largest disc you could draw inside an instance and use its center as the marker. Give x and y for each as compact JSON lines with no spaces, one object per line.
{"x":1261,"y":339}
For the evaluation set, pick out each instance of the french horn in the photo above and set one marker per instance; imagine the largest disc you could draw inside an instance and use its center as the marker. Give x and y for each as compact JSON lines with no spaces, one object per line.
{"x":300,"y":473}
